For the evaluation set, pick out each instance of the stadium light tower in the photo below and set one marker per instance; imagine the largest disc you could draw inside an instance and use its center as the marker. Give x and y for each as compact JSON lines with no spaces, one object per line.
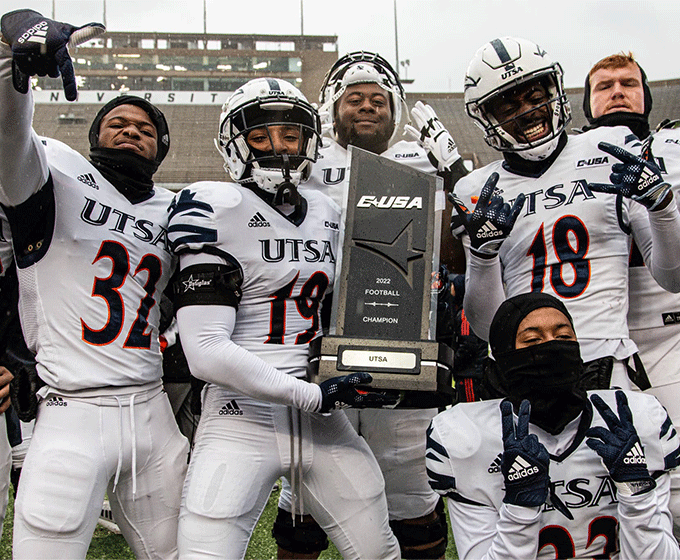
{"x":405,"y":63}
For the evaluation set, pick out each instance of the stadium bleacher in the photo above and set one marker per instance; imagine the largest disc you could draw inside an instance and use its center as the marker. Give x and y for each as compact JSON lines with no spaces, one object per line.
{"x":193,"y":156}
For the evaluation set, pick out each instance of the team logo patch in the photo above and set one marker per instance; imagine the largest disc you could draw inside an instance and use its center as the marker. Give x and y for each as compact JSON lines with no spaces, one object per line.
{"x":258,"y":220}
{"x":495,"y":466}
{"x":593,"y":162}
{"x":56,"y":401}
{"x":88,"y":179}
{"x":231,"y":409}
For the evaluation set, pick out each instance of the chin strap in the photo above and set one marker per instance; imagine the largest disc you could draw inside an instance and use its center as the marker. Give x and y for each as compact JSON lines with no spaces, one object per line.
{"x":287,"y":192}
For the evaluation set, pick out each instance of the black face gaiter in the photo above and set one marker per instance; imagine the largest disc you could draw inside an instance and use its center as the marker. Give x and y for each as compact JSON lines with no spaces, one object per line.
{"x":130,"y":173}
{"x":547,"y":375}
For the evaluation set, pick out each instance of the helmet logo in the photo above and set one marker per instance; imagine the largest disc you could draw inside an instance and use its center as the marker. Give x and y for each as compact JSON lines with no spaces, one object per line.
{"x":511,"y":70}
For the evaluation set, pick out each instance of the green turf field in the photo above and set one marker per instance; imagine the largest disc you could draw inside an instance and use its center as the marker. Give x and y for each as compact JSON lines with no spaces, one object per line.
{"x":109,"y":546}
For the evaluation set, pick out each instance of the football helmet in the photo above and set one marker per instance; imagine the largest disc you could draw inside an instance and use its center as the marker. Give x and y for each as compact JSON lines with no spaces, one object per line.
{"x":362,"y":67}
{"x":261,"y":103}
{"x":501,"y":65}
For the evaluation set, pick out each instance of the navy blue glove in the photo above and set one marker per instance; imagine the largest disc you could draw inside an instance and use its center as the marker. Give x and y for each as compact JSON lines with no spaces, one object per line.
{"x":347,"y":390}
{"x":40,"y":47}
{"x":637,"y":178}
{"x":492,"y":219}
{"x":525,"y":460}
{"x":619,"y":447}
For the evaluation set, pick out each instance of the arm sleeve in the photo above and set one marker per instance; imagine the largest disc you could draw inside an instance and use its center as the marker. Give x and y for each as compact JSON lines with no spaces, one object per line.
{"x":23,"y":163}
{"x":205,"y":331}
{"x":484,"y":291}
{"x":484,"y":533}
{"x":645,"y":526}
{"x":481,"y":531}
{"x":657,"y":235}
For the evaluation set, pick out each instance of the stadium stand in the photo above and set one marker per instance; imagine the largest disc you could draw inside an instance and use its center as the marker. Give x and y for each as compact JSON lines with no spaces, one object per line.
{"x":193,"y":156}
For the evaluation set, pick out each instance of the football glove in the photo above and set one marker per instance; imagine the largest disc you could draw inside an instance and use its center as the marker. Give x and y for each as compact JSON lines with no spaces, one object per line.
{"x":40,"y":47}
{"x":637,"y":178}
{"x":347,"y":390}
{"x":619,"y":447}
{"x":431,"y":135}
{"x":491,"y":221}
{"x":525,"y":460}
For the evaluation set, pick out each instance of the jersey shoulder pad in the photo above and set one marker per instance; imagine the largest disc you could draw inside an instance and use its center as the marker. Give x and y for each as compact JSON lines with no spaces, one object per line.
{"x":195,"y":212}
{"x":317,"y":197}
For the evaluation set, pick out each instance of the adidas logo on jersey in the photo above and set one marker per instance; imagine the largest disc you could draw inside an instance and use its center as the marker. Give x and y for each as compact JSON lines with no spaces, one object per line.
{"x":231,"y":409}
{"x":88,"y":179}
{"x":521,"y":468}
{"x":258,"y":221}
{"x":670,"y":318}
{"x":495,"y":466}
{"x":56,"y":401}
{"x":489,"y":230}
{"x":635,"y":455}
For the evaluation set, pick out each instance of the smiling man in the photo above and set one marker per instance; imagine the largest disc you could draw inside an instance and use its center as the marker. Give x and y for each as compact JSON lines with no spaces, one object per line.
{"x":91,"y":249}
{"x":565,"y":235}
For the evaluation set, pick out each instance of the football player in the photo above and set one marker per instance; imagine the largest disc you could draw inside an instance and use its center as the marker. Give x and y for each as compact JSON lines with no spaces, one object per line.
{"x":571,"y":238}
{"x":617,"y":94}
{"x":547,"y":470}
{"x":91,"y":249}
{"x":257,"y":256}
{"x":363,"y":101}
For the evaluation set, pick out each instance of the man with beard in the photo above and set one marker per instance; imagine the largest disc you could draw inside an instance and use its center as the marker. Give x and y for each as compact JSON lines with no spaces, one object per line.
{"x":363,"y":102}
{"x":571,"y":237}
{"x":547,"y":470}
{"x":92,"y":255}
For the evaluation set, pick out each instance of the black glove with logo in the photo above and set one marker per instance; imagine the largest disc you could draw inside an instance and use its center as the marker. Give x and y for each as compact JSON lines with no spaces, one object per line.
{"x":619,"y":447}
{"x":637,"y":178}
{"x":40,"y":47}
{"x":492,"y":220}
{"x":525,"y":460}
{"x":351,"y":391}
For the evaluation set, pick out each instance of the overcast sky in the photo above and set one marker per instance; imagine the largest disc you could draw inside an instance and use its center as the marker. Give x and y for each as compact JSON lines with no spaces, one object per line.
{"x":438,"y":37}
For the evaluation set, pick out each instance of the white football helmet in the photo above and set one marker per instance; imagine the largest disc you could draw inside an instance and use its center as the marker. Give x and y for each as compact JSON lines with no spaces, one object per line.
{"x":362,"y":67}
{"x":265,"y":102}
{"x":501,"y":65}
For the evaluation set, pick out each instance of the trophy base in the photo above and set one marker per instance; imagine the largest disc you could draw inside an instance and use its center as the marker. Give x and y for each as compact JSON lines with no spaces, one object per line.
{"x":422,"y":370}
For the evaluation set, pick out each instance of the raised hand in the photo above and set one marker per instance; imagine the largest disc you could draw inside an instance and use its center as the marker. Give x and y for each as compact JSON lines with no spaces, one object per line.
{"x":637,"y":177}
{"x":619,"y":447}
{"x":40,"y":47}
{"x":525,"y":460}
{"x":431,"y":135}
{"x":492,"y":219}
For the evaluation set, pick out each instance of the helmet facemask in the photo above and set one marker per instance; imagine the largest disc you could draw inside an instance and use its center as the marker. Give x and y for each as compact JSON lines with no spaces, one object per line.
{"x":277,"y":174}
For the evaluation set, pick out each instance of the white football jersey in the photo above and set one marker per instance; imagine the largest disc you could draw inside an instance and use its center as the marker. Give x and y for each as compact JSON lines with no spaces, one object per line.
{"x":287,"y":267}
{"x":464,"y":452}
{"x":568,"y":241}
{"x":330,"y":174}
{"x":89,"y":303}
{"x":652,"y":307}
